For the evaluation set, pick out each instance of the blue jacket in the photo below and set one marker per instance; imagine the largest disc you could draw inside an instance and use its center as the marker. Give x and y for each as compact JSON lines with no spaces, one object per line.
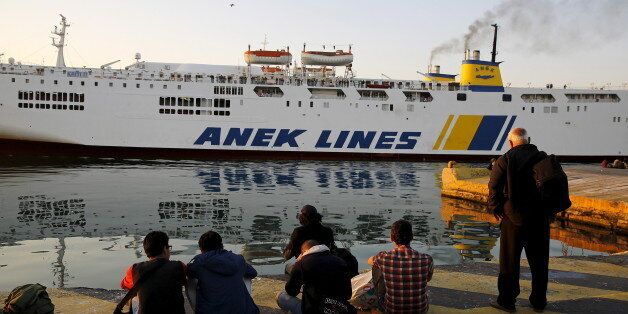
{"x":220,"y":286}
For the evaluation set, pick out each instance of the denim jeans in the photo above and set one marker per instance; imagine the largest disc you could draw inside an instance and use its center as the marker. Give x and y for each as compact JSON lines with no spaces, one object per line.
{"x":289,"y":303}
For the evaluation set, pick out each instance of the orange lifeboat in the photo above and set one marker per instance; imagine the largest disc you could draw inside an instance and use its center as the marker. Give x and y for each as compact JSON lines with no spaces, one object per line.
{"x":328,"y":58}
{"x":268,"y":57}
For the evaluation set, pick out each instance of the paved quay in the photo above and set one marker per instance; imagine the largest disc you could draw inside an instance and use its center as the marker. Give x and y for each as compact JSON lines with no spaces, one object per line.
{"x":577,"y":285}
{"x":599,"y":196}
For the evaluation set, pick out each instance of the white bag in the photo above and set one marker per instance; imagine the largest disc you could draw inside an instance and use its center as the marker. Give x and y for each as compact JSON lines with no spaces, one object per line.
{"x":363,"y":294}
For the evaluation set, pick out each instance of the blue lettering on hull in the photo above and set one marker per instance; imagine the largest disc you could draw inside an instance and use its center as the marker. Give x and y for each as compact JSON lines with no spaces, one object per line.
{"x":242,"y":137}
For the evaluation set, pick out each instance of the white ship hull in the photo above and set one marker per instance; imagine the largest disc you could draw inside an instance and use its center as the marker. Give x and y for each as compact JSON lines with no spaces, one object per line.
{"x":124,"y":115}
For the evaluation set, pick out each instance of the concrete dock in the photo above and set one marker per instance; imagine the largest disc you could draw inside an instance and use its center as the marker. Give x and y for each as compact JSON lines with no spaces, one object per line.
{"x":599,"y":196}
{"x":577,"y":285}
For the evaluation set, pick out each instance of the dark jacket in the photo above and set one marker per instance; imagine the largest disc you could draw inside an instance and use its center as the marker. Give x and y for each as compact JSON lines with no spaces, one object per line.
{"x":221,"y":287}
{"x":313,"y":231}
{"x":321,"y":275}
{"x":512,"y":190}
{"x":162,"y":290}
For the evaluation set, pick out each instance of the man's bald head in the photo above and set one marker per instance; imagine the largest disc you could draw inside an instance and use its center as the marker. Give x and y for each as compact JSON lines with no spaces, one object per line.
{"x":518,"y":136}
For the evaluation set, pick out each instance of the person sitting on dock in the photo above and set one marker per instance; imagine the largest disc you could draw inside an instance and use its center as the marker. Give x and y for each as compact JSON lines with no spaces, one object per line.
{"x":161,"y":280}
{"x":325,"y":279}
{"x":513,"y":199}
{"x":405,"y":273}
{"x":220,"y":275}
{"x":310,"y":229}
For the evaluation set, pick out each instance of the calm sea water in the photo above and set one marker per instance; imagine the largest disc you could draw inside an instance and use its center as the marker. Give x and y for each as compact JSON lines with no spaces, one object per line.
{"x":80,"y":222}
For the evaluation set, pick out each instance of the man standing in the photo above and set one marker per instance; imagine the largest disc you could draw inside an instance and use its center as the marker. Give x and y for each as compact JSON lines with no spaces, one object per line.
{"x":405,"y":273}
{"x":513,"y":198}
{"x":325,"y":280}
{"x":161,"y":291}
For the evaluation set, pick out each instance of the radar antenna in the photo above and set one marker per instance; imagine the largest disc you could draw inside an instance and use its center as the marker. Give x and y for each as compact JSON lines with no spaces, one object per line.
{"x":61,"y":43}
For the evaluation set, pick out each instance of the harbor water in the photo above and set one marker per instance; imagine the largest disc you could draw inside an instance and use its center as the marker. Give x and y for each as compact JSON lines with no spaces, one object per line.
{"x":79,"y":222}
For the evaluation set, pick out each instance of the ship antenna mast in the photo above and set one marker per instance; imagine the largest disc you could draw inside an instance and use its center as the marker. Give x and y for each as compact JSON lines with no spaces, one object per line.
{"x":264,"y":43}
{"x":61,"y":43}
{"x":494,"y":52}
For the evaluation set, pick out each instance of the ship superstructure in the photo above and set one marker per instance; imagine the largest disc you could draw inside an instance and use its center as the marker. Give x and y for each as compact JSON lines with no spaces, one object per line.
{"x":289,"y":111}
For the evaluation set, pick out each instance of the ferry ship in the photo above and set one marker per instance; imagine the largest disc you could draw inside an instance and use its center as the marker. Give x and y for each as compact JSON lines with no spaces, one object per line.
{"x":271,"y":109}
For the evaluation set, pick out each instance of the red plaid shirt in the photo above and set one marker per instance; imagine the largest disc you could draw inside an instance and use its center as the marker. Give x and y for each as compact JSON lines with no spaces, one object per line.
{"x":406,"y":273}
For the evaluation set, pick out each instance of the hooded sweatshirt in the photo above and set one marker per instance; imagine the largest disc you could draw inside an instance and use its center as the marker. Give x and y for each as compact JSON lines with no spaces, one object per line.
{"x":221,"y":287}
{"x":512,"y":189}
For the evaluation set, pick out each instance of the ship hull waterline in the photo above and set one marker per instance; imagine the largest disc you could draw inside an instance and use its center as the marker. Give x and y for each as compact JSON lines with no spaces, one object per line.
{"x":24,"y":148}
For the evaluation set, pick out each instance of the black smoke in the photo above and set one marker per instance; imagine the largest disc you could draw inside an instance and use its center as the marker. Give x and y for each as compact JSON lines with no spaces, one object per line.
{"x":545,"y":26}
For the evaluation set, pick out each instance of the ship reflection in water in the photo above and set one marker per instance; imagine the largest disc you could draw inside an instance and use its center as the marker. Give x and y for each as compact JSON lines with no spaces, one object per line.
{"x":81,"y":222}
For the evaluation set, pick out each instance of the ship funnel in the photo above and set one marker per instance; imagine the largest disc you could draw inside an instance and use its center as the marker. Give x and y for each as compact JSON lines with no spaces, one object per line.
{"x":436,"y":69}
{"x":476,"y":55}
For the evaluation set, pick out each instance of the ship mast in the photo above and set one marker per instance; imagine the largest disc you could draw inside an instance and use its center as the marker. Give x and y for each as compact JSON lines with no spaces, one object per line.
{"x":61,"y":34}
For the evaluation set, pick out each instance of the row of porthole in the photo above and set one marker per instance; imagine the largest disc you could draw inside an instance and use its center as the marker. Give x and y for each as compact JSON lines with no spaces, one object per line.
{"x":195,"y":112}
{"x":49,"y":106}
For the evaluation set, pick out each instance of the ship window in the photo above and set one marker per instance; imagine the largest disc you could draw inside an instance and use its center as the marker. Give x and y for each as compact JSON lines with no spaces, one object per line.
{"x":462,"y":97}
{"x":124,"y":85}
{"x":178,"y":86}
{"x":299,"y":103}
{"x":19,"y":95}
{"x":82,"y":98}
{"x":222,"y":90}
{"x":19,"y":105}
{"x":287,"y":103}
{"x":54,"y":107}
{"x":47,"y":96}
{"x":215,"y":89}
{"x":165,"y":86}
{"x":65,"y":97}
{"x":228,"y":90}
{"x":507,"y":97}
{"x":30,"y":95}
{"x":70,"y":82}
{"x":82,"y":83}
{"x":47,"y":106}
{"x":27,"y":81}
{"x":529,"y":98}
{"x":410,"y":107}
{"x":151,"y":86}
{"x":55,"y":82}
{"x":41,"y":81}
{"x":532,"y":109}
{"x":554,"y":109}
{"x":71,"y":97}
{"x":546,"y":109}
{"x":12,"y":80}
{"x":240,"y":90}
{"x":578,"y":108}
{"x":137,"y":85}
{"x":95,"y":83}
{"x":585,"y":108}
{"x":326,"y":104}
{"x":311,"y":104}
{"x":228,"y":104}
{"x":110,"y":84}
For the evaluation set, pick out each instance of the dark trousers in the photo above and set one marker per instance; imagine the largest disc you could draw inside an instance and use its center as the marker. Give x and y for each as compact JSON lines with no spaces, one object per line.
{"x":532,"y":236}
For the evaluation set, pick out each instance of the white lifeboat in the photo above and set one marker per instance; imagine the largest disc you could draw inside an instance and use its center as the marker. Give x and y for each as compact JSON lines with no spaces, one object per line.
{"x":329,"y":58}
{"x":268,"y":57}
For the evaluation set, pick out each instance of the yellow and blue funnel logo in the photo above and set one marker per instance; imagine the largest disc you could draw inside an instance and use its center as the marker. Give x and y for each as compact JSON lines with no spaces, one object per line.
{"x":482,"y":76}
{"x":474,"y":132}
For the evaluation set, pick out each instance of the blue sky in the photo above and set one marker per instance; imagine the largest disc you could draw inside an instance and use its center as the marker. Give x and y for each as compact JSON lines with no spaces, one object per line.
{"x":389,"y":37}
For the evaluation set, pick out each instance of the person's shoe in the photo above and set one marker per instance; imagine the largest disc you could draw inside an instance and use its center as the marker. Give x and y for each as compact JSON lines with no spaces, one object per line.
{"x":498,"y":306}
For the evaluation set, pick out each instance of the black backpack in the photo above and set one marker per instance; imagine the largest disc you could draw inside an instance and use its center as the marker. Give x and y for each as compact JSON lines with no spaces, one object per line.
{"x":551,"y":183}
